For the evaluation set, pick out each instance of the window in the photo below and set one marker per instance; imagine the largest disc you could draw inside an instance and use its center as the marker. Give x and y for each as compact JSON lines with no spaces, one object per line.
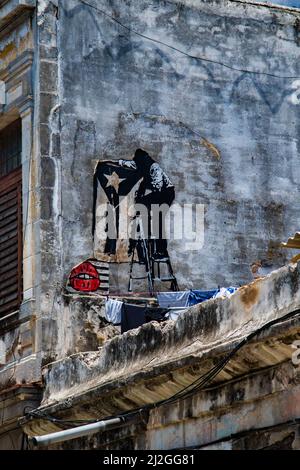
{"x":10,"y":218}
{"x":10,"y":148}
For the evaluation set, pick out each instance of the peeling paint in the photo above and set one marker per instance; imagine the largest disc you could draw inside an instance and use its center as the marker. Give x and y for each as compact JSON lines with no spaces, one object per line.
{"x":249,"y":294}
{"x":211,"y":147}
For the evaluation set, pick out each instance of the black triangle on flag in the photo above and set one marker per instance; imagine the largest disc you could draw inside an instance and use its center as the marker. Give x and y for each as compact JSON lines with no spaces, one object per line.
{"x":115,"y":182}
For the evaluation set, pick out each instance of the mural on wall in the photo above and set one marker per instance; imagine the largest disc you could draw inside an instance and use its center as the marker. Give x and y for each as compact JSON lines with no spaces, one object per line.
{"x":121,"y":188}
{"x":89,"y":276}
{"x":114,"y":189}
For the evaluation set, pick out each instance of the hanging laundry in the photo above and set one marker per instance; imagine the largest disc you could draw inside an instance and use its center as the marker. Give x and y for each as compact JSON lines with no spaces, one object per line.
{"x":225,"y":292}
{"x":173,"y":299}
{"x":113,"y":311}
{"x":198,"y":296}
{"x":174,"y":313}
{"x":155,"y":314}
{"x":132,"y":317}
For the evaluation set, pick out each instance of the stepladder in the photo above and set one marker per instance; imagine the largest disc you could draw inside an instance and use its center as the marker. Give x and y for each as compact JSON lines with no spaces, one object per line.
{"x":144,"y":253}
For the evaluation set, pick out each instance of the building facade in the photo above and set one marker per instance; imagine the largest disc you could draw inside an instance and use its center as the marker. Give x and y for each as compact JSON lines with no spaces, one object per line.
{"x":209,"y":89}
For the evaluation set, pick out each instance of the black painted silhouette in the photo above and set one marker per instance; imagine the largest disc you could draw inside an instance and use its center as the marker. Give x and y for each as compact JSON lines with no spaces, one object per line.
{"x":118,"y":179}
{"x":155,"y":188}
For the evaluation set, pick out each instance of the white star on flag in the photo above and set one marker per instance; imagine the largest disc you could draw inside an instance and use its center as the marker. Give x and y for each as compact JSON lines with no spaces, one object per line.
{"x":114,"y":181}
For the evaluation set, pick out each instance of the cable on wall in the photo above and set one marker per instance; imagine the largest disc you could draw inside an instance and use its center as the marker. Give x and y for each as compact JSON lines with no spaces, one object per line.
{"x":200,"y":58}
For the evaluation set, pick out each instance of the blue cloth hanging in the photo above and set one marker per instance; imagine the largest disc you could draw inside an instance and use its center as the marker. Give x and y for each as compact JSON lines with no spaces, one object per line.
{"x":198,"y":296}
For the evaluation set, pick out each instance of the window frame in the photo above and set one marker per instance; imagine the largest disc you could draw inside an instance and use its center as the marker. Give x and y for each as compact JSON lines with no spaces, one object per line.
{"x":12,"y":151}
{"x":13,"y":179}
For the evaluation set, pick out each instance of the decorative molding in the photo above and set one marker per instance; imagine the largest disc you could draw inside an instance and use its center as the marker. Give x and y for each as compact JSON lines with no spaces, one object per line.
{"x":14,"y":400}
{"x":18,"y":86}
{"x":14,"y":93}
{"x":12,"y":12}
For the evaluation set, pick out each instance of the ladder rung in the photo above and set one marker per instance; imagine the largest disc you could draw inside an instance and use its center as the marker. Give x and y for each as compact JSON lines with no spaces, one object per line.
{"x":136,"y":278}
{"x":149,"y":264}
{"x":162,"y":260}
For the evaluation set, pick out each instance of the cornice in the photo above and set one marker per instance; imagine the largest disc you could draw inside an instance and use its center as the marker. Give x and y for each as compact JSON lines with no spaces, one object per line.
{"x":11,"y":11}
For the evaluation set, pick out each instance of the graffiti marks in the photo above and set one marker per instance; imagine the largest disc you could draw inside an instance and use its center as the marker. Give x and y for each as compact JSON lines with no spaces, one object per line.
{"x":272,"y":94}
{"x":89,"y":276}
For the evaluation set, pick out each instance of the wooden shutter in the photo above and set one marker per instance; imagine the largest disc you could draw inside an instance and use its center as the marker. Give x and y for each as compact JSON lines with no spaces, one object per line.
{"x":10,"y":242}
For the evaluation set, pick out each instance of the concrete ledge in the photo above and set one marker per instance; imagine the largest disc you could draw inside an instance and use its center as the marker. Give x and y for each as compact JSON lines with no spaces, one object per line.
{"x":203,"y":327}
{"x":156,"y":360}
{"x":23,"y":371}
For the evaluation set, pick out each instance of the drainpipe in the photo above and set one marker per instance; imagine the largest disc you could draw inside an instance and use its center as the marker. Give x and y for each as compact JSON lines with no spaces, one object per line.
{"x":74,"y":433}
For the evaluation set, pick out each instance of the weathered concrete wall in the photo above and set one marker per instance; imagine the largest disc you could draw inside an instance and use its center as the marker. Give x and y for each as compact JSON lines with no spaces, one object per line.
{"x":105,"y":91}
{"x":83,"y":326}
{"x":121,"y":91}
{"x":226,"y":131}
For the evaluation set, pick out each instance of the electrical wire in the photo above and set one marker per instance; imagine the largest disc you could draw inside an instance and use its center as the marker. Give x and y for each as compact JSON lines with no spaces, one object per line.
{"x":190,"y":390}
{"x":200,"y":58}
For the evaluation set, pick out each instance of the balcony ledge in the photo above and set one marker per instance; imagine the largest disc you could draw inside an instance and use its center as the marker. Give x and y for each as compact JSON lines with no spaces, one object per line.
{"x":156,"y":360}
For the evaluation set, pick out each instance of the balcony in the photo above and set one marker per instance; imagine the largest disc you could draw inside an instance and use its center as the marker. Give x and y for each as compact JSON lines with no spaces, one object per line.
{"x":256,"y":327}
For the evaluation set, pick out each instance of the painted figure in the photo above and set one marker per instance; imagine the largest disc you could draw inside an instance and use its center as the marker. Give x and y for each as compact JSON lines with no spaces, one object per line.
{"x":155,"y":188}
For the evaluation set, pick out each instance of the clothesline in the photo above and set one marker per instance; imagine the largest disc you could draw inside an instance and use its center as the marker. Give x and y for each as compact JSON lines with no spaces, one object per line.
{"x":171,"y":305}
